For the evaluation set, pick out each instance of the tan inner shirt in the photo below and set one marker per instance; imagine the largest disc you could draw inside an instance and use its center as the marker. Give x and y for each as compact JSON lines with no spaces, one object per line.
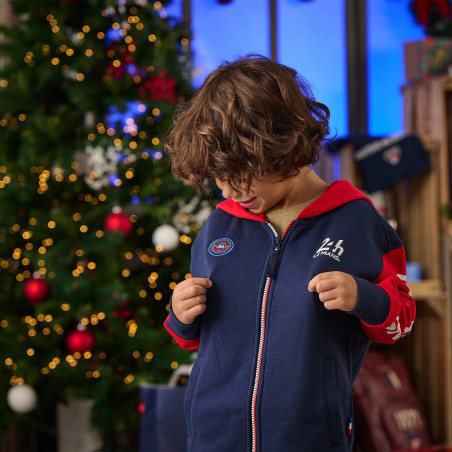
{"x":281,"y":218}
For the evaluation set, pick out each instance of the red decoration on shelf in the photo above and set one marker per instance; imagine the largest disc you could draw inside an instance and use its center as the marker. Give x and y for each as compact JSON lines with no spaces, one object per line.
{"x":118,"y":222}
{"x":36,"y":290}
{"x":422,"y":9}
{"x":79,"y":341}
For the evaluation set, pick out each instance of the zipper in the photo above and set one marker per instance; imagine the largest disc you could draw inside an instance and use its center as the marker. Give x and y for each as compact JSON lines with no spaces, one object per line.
{"x":271,"y":274}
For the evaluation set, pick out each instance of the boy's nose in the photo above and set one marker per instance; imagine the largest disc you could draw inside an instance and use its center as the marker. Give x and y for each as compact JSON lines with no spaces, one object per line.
{"x":227,"y":191}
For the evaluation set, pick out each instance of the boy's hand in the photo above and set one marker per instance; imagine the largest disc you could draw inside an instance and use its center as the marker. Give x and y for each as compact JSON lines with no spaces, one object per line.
{"x":189,"y":299}
{"x":337,"y":290}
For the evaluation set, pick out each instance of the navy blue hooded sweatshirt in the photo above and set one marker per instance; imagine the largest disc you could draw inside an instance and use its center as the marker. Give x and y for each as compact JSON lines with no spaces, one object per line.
{"x":275,"y":368}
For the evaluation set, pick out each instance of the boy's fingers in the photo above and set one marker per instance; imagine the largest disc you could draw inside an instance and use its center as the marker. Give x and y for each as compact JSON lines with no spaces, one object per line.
{"x":312,"y":286}
{"x":329,"y":295}
{"x":205,"y":282}
{"x":195,"y":301}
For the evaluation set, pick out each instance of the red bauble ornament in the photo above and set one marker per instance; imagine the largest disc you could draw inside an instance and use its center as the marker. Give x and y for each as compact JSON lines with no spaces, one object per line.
{"x":79,"y":341}
{"x":118,"y":222}
{"x":36,"y":290}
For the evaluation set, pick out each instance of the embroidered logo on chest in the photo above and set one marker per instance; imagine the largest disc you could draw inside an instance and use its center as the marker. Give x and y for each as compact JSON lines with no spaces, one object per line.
{"x":331,"y":249}
{"x":220,"y":247}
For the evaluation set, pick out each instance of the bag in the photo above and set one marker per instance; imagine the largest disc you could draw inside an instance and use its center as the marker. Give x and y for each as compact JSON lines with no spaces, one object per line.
{"x":385,"y":162}
{"x":387,"y":413}
{"x":163,"y":427}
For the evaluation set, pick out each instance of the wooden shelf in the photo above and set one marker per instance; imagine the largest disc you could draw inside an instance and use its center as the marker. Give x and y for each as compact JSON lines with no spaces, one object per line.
{"x":430,"y":297}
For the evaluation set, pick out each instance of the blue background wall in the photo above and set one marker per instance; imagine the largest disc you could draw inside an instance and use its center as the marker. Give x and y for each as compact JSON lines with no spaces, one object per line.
{"x":311,"y":39}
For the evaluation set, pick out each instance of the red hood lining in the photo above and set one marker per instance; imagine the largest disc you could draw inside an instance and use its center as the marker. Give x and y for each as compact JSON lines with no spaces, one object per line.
{"x":337,"y":194}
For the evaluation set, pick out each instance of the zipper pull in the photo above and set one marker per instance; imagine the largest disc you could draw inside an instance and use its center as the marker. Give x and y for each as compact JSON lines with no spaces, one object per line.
{"x":272,"y":269}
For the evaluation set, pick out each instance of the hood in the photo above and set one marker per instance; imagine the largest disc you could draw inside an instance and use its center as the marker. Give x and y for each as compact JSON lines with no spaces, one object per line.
{"x":337,"y":194}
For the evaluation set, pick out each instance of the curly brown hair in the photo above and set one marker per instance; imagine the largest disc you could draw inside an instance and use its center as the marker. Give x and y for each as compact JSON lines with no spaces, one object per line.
{"x":251,"y":116}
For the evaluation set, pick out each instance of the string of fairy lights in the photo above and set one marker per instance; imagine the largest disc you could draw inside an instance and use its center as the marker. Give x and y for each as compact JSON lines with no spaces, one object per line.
{"x":125,"y":141}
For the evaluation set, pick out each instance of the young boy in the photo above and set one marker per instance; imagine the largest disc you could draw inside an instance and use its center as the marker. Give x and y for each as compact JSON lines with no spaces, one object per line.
{"x":291,"y":277}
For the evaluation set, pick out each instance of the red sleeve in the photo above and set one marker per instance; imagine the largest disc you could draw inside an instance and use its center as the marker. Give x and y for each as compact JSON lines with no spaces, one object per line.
{"x":186,"y":344}
{"x":402,"y":310}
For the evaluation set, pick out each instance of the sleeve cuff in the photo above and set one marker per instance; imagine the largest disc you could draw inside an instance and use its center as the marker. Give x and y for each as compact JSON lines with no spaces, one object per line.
{"x":373,"y":303}
{"x":183,"y":330}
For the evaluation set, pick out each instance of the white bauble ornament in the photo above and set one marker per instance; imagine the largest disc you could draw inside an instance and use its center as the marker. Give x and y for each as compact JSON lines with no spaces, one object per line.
{"x":22,"y":398}
{"x":166,"y":236}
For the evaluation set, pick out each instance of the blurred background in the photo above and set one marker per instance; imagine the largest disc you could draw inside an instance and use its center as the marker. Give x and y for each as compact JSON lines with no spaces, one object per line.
{"x":95,"y":232}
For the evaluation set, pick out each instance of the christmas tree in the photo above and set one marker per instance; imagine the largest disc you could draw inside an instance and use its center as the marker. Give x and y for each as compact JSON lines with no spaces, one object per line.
{"x":94,"y":231}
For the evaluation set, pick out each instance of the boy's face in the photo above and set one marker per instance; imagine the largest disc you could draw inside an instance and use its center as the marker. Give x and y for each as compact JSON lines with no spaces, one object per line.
{"x":267,"y":192}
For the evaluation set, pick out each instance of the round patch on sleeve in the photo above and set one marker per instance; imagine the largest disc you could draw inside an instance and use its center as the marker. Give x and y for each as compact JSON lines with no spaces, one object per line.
{"x":220,"y":247}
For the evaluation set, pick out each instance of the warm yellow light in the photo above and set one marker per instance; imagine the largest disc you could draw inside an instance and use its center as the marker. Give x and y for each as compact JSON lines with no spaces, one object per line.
{"x":89,"y":52}
{"x":129,"y":379}
{"x":152,"y":38}
{"x":69,"y":52}
{"x":80,"y":77}
{"x":55,"y":61}
{"x":30,"y":352}
{"x":100,"y":35}
{"x":65,"y":307}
